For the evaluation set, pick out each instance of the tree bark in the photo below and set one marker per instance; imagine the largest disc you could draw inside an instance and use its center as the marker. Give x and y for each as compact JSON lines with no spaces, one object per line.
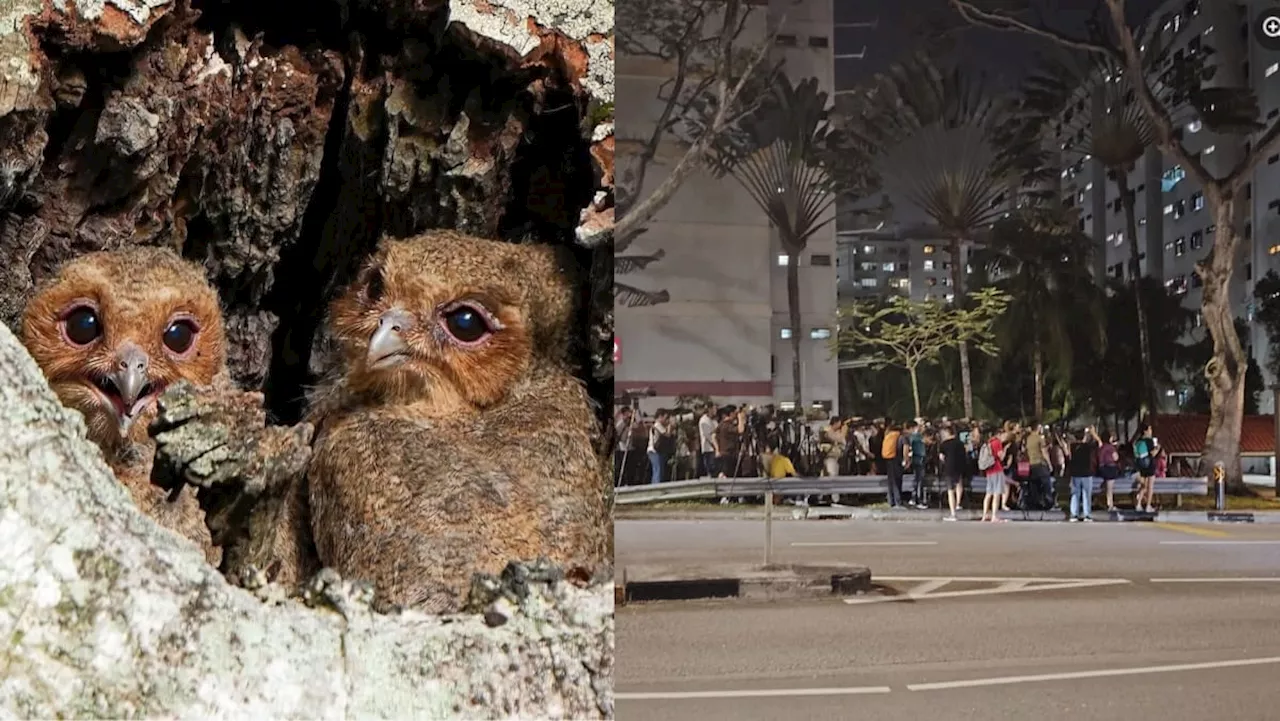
{"x":1224,"y":372}
{"x":793,"y":308}
{"x":1037,"y":367}
{"x":957,"y":286}
{"x":915,"y":389}
{"x":1135,"y":263}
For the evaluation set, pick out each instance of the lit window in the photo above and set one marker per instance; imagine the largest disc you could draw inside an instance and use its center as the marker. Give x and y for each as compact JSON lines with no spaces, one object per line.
{"x":950,"y":297}
{"x":928,"y":265}
{"x":1088,"y":186}
{"x":1209,"y":150}
{"x":820,"y":334}
{"x":868,"y":249}
{"x":1179,"y":247}
{"x":783,"y":259}
{"x":1171,"y":178}
{"x":868,"y":282}
{"x":887,"y":267}
{"x":784,"y":333}
{"x":786,"y":405}
{"x":1273,"y":250}
{"x":1197,"y":201}
{"x":1168,"y":209}
{"x":1193,"y":126}
{"x":928,"y":250}
{"x":1064,"y":173}
{"x":1272,"y":68}
{"x":1111,"y":236}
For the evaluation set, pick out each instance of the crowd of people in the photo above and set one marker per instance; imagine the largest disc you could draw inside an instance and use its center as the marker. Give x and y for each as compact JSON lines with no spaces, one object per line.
{"x":1020,"y":464}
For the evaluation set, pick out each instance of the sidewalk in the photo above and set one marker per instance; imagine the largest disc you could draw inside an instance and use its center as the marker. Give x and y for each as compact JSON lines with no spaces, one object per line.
{"x":737,"y":512}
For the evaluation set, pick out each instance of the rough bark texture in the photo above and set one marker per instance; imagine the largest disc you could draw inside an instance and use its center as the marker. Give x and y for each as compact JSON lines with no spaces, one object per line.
{"x":793,"y":308}
{"x":957,"y":284}
{"x":108,"y":615}
{"x":1135,"y":275}
{"x":1226,"y":370}
{"x":276,"y":142}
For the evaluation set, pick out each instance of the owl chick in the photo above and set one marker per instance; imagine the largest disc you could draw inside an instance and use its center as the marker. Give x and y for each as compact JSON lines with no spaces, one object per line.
{"x":456,"y":440}
{"x":110,"y":331}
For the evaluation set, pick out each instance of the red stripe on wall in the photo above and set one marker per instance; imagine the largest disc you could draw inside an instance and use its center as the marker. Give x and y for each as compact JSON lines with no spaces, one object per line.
{"x":763,"y":389}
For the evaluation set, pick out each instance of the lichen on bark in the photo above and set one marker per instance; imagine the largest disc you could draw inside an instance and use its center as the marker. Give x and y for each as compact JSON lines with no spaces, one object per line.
{"x":107,"y":615}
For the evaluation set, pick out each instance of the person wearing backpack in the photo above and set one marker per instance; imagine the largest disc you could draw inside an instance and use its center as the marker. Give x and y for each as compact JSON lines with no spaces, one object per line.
{"x":989,"y":465}
{"x":1144,"y":456}
{"x":890,"y":448}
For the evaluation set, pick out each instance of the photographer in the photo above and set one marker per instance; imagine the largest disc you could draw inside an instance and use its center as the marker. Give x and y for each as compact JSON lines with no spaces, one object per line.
{"x":623,"y":425}
{"x":834,"y":441}
{"x":728,"y":435}
{"x":661,"y":444}
{"x":707,"y":442}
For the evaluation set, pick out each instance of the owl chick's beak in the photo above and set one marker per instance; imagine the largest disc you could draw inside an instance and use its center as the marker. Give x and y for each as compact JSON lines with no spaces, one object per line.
{"x":130,"y":382}
{"x":387,"y":347}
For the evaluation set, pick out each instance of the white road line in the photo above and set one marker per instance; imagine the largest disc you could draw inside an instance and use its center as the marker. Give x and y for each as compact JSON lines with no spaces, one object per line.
{"x":750,"y":693}
{"x":929,"y":586}
{"x":990,"y":579}
{"x":1220,"y":543}
{"x":1101,"y":673}
{"x":868,"y":543}
{"x":1014,"y":585}
{"x":1261,"y":579}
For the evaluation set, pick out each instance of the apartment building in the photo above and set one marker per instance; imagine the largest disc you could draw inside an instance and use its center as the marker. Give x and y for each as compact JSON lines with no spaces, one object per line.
{"x":726,"y":332}
{"x":1174,"y":226}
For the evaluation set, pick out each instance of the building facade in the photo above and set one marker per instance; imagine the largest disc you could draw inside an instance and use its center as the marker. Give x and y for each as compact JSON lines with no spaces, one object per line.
{"x":725,"y":333}
{"x":1174,"y":225}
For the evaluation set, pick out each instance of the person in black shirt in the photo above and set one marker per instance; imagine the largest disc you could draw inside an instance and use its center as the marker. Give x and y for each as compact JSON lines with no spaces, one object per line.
{"x":954,"y":458}
{"x":1081,"y":462}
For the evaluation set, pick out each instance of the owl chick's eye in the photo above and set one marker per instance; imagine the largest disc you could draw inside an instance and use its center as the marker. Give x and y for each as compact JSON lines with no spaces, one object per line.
{"x":467,"y":324}
{"x":376,"y":286}
{"x":179,"y":336}
{"x":82,"y":325}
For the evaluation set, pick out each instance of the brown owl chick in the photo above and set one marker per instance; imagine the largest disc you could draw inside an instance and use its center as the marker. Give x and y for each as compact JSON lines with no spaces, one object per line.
{"x":456,"y":440}
{"x":110,"y":331}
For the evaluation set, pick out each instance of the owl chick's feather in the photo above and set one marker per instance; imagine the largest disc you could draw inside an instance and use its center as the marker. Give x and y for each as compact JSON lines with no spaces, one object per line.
{"x":111,"y":331}
{"x":456,"y":440}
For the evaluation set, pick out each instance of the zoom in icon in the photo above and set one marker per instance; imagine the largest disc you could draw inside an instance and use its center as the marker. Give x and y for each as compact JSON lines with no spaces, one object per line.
{"x":1267,"y":29}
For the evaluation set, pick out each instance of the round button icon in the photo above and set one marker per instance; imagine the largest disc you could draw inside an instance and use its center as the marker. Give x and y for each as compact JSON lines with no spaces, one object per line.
{"x":1267,"y":28}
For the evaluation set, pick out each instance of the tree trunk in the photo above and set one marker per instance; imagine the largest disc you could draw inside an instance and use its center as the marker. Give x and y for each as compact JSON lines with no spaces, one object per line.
{"x":1037,"y":367}
{"x":279,"y":164}
{"x":1225,"y":372}
{"x":793,"y":309}
{"x":915,"y":389}
{"x":1135,"y":262}
{"x":957,"y":288}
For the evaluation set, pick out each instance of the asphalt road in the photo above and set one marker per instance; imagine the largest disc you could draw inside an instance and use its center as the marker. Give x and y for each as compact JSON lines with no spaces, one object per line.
{"x":1169,"y":622}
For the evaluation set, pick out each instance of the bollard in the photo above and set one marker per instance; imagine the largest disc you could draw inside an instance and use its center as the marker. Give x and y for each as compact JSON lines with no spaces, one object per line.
{"x":768,"y":526}
{"x":1220,"y":479}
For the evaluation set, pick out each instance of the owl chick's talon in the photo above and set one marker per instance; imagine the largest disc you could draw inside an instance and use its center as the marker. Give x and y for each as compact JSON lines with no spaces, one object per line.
{"x":328,"y":589}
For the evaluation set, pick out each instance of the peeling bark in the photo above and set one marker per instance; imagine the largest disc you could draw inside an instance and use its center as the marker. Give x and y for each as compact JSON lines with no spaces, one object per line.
{"x":277,"y":151}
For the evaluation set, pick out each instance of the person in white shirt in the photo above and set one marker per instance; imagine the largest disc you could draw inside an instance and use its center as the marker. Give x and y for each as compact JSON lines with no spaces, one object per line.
{"x":659,"y":433}
{"x":707,"y":441}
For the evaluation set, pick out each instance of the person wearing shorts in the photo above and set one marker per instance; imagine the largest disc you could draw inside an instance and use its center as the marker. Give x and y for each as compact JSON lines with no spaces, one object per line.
{"x":995,"y":479}
{"x":1144,"y":454}
{"x":953,"y":460}
{"x":1108,"y":467}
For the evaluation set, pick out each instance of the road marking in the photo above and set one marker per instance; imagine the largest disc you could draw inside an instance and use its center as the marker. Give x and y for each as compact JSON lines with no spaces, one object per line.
{"x":750,"y":693}
{"x":868,"y":543}
{"x":929,"y":587}
{"x":1193,"y":530}
{"x":1102,"y":673}
{"x":1217,"y":580}
{"x":1220,"y":543}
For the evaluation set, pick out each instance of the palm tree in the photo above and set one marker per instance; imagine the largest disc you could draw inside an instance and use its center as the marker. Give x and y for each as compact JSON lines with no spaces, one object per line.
{"x":951,"y":150}
{"x":783,"y":155}
{"x":1113,"y":129}
{"x":1043,"y":262}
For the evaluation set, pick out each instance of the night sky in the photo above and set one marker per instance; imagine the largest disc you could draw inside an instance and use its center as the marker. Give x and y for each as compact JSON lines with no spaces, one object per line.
{"x":1005,"y":56}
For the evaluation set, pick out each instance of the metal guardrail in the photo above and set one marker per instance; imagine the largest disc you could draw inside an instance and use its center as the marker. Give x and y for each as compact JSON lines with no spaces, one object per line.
{"x":710,"y":488}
